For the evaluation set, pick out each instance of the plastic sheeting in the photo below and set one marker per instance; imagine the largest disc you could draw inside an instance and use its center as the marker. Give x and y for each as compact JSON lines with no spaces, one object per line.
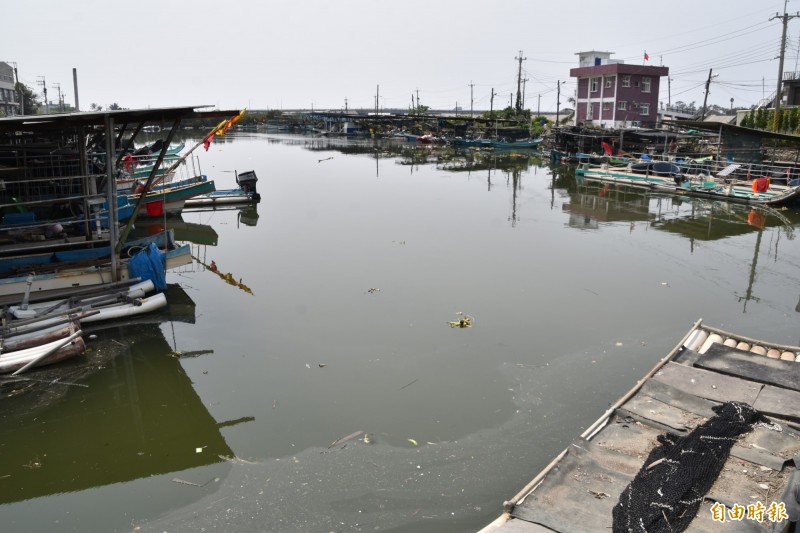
{"x":150,"y":263}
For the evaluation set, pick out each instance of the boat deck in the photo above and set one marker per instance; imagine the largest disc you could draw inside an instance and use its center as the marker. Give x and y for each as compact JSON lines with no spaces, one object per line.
{"x":579,"y":489}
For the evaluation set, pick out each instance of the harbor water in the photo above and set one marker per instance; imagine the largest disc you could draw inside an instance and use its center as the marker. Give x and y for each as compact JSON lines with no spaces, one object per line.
{"x":313,"y":376}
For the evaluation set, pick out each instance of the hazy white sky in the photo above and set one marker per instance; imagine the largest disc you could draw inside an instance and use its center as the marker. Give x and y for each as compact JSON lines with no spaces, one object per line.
{"x":268,"y":54}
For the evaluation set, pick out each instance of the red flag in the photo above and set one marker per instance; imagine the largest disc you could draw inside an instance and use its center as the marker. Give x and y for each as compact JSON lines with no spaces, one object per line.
{"x":646,"y":57}
{"x":207,"y":140}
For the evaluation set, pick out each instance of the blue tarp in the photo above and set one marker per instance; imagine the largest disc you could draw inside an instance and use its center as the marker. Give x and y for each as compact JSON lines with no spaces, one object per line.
{"x":150,"y":263}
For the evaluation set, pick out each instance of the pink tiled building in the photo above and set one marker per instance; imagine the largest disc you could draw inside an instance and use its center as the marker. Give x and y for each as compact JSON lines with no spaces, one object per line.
{"x":613,"y":94}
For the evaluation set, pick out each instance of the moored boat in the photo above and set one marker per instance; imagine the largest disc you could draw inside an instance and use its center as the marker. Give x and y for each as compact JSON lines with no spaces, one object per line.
{"x":668,"y":177}
{"x":704,"y":440}
{"x":52,"y":285}
{"x":245,"y":193}
{"x":170,"y":198}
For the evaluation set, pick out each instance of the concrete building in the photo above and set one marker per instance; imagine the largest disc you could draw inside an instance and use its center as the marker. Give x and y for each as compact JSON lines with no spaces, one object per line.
{"x":613,"y":94}
{"x":9,"y":97}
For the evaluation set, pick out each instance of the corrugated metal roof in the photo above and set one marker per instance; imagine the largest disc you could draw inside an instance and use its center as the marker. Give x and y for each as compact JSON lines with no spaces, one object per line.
{"x":97,"y":118}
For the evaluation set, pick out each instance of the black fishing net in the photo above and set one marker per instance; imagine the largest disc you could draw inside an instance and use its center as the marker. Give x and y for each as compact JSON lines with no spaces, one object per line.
{"x":667,"y":492}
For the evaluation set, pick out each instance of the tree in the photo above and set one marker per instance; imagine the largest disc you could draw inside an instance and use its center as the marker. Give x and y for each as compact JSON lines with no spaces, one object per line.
{"x":113,"y":107}
{"x":94,"y":107}
{"x":30,"y":103}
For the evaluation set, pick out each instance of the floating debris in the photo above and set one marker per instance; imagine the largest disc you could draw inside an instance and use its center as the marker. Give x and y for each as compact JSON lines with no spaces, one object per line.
{"x":412,"y":441}
{"x":464,"y":322}
{"x":367,"y":439}
{"x":322,"y":365}
{"x":409,"y":384}
{"x":373,"y":289}
{"x":345,"y":439}
{"x":321,"y":160}
{"x":227,"y":278}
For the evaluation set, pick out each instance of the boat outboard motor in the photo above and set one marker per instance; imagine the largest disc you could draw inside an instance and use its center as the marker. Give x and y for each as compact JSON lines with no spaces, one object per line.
{"x":247,"y":181}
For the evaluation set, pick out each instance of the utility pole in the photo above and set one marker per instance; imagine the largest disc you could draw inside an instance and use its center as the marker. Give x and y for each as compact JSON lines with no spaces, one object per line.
{"x":471,"y":100}
{"x":491,"y":104}
{"x":44,"y":88}
{"x":539,"y":106}
{"x":19,"y":90}
{"x":57,"y":87}
{"x":705,"y":98}
{"x":778,"y":95}
{"x":417,"y":97}
{"x":75,"y":85}
{"x":345,"y":105}
{"x":524,"y":83}
{"x":558,"y":101}
{"x":669,"y":92}
{"x":519,"y":80}
{"x":377,"y":96}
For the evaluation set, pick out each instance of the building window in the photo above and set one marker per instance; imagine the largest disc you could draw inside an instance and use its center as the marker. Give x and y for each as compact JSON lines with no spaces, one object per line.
{"x":594,"y":85}
{"x":606,"y":106}
{"x":608,"y":83}
{"x":589,"y":111}
{"x":622,"y":105}
{"x":645,"y":85}
{"x":626,"y":80}
{"x":644,"y":109}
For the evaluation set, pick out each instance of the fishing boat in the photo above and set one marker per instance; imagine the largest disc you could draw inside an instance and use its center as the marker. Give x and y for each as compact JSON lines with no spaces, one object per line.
{"x":45,"y":354}
{"x":704,"y":442}
{"x":65,"y":255}
{"x":50,"y":285}
{"x":170,"y":198}
{"x":245,"y":193}
{"x":731,"y":184}
{"x":522,"y":144}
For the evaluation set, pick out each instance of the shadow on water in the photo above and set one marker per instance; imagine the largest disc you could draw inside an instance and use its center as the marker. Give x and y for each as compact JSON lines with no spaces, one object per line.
{"x":123,"y":411}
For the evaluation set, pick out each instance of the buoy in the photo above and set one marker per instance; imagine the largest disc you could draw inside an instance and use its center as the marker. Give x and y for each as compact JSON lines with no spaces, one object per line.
{"x":709,"y":341}
{"x":787,"y":356}
{"x":743,"y":346}
{"x":696,"y":339}
{"x":772,"y":353}
{"x":760,"y":350}
{"x":730,"y":343}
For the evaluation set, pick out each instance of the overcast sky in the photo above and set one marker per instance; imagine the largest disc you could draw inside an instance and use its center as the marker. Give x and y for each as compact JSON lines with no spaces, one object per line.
{"x":267,"y":54}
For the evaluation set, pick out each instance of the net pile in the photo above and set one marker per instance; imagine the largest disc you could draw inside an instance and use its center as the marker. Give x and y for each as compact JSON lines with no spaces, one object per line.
{"x":667,"y":492}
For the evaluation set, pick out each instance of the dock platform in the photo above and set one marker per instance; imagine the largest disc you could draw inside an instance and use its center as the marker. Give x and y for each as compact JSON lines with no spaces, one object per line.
{"x":592,"y":485}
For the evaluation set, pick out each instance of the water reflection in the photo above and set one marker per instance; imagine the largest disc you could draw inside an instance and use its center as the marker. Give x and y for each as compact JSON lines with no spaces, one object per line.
{"x":184,"y":231}
{"x":566,"y":279}
{"x":133,"y":414}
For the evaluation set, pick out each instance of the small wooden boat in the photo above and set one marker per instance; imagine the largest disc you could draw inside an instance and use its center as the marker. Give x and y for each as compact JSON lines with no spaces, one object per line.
{"x":704,"y":442}
{"x":44,"y":354}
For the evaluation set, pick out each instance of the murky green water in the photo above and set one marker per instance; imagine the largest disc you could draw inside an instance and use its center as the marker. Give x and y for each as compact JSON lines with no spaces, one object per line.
{"x":221,"y":417}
